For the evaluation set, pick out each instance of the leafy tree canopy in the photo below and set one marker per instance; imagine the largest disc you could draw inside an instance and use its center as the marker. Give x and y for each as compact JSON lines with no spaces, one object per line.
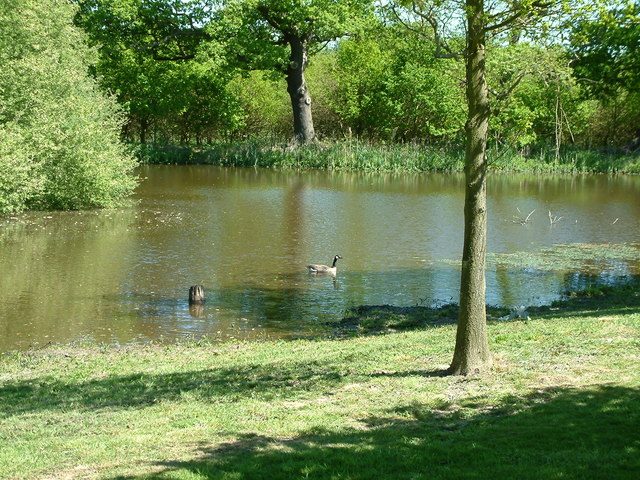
{"x":164,"y":29}
{"x":144,"y":47}
{"x":608,"y":50}
{"x":261,"y":23}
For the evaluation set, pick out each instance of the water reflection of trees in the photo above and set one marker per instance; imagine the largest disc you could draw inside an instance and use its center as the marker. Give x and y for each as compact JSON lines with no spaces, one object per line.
{"x":294,"y":220}
{"x":511,"y":288}
{"x":59,"y":271}
{"x":579,"y":281}
{"x":599,"y":186}
{"x":247,"y":234}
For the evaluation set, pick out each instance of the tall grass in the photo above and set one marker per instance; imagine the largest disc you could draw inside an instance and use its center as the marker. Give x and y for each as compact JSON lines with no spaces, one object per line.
{"x":570,"y":160}
{"x":332,"y":155}
{"x":353,"y":154}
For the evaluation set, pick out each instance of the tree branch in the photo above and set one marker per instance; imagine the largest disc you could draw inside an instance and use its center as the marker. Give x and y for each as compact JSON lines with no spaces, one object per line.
{"x":517,"y":12}
{"x":275,"y":22}
{"x":506,"y":95}
{"x":430,"y":19}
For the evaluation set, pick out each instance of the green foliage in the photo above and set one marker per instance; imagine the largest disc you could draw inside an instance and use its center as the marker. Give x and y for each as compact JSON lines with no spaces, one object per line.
{"x":391,"y":87}
{"x":379,"y":83}
{"x":255,"y":32}
{"x":59,"y":137}
{"x":322,"y":74}
{"x":163,"y":29}
{"x":280,"y":36}
{"x":611,"y":121}
{"x":535,"y":96}
{"x":266,"y":109}
{"x":266,"y":106}
{"x":607,"y":50}
{"x":177,"y":100}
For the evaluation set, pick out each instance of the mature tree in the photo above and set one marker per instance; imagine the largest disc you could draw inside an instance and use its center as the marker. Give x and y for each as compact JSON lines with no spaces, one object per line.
{"x":471,"y":352}
{"x":281,"y":36}
{"x":266,"y":106}
{"x":274,"y":35}
{"x":162,"y":65}
{"x":482,"y":20}
{"x":59,"y":135}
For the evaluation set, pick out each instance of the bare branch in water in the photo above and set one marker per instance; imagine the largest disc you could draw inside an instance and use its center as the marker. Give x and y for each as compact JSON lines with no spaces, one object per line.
{"x":553,"y":219}
{"x":520,"y":220}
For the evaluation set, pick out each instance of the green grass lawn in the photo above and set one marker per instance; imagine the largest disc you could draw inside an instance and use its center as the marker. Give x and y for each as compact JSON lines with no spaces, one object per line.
{"x":562,"y":402}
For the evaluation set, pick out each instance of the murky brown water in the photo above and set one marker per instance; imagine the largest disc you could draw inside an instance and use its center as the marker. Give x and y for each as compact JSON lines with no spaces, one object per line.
{"x":246,"y":235}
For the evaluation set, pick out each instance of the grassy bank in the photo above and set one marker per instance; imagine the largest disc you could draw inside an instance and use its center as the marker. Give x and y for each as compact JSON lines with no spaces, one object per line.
{"x":561,"y":402}
{"x":363,"y":156}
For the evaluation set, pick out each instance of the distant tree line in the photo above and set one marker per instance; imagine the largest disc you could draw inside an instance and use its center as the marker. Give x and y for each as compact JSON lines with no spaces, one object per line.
{"x":192,"y":72}
{"x":77,"y":78}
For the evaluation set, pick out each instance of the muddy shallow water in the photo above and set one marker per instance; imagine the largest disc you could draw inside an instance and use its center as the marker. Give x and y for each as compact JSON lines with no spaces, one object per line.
{"x":246,"y":235}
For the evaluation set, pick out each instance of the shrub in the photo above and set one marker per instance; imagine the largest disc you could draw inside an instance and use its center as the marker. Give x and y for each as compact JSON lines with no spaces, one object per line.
{"x":59,"y":136}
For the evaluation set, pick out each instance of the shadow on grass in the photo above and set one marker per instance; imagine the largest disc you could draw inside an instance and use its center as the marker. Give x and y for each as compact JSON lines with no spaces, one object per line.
{"x":263,"y":381}
{"x":560,"y":433}
{"x":224,"y":384}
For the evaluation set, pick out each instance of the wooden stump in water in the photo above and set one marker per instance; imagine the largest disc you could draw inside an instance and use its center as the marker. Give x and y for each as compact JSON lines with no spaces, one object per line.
{"x":196,"y":295}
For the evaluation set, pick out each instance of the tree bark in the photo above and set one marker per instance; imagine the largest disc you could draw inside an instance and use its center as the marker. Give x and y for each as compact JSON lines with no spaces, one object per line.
{"x":303,"y":131}
{"x":471,"y":354}
{"x":143,"y":130}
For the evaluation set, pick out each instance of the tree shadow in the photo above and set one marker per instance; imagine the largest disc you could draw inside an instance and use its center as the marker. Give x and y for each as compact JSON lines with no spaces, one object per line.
{"x":261,"y":381}
{"x":554,"y":434}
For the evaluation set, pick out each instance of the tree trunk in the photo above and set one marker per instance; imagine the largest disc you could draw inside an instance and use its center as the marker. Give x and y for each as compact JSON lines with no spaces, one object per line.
{"x":144,"y":124}
{"x":303,"y":131}
{"x":471,"y":353}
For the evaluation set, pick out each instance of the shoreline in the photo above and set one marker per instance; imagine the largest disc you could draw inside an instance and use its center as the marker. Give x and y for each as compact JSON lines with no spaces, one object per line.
{"x":355,"y":155}
{"x":367,"y":406}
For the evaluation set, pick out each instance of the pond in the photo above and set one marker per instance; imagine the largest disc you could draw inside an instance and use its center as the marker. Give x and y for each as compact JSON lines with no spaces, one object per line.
{"x":247,"y":235}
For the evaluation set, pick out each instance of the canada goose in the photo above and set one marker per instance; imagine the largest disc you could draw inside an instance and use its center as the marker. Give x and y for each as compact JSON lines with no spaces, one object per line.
{"x":324,"y":268}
